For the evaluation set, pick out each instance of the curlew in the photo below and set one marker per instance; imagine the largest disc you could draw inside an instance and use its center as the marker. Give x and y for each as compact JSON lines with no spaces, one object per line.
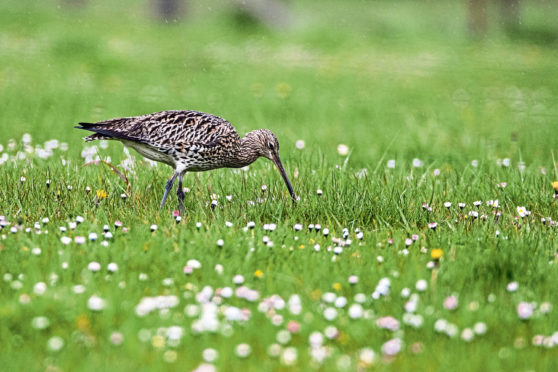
{"x":189,"y":141}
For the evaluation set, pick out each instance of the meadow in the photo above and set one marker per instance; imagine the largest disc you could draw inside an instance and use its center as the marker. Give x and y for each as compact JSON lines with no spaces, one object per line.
{"x":425,"y":236}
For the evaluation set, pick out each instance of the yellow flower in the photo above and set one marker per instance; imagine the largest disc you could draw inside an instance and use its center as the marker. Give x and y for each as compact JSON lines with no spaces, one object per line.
{"x":337,"y":286}
{"x":555,"y":186}
{"x":258,"y":274}
{"x":284,"y":90}
{"x":101,"y":194}
{"x":301,"y":246}
{"x":82,"y":322}
{"x":436,"y":254}
{"x":158,"y":342}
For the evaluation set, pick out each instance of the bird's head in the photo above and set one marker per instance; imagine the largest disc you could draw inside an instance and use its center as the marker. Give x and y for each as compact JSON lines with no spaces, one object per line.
{"x":265,"y":144}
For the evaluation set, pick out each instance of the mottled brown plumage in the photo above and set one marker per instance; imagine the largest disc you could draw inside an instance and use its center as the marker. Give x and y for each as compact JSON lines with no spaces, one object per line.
{"x":189,"y":141}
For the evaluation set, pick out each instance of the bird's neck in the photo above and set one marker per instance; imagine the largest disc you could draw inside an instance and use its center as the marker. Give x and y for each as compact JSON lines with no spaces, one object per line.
{"x":244,"y":155}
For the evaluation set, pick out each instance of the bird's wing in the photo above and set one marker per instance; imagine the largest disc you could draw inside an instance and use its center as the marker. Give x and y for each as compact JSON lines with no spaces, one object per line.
{"x":166,"y":129}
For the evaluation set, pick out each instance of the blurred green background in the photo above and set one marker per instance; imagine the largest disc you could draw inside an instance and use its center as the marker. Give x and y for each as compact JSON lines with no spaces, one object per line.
{"x":399,"y":79}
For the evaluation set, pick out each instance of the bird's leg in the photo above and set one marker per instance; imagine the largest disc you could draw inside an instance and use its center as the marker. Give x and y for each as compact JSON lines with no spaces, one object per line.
{"x":168,"y":188}
{"x":180,"y":193}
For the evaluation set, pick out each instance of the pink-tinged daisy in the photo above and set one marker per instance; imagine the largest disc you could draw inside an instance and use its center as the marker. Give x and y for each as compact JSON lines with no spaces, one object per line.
{"x":392,"y":347}
{"x":432,"y":225}
{"x":451,"y":302}
{"x":388,"y":322}
{"x":524,"y":310}
{"x":293,"y":326}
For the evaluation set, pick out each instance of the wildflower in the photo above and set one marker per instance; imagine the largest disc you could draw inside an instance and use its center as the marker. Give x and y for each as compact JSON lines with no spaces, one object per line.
{"x":337,"y":286}
{"x":353,"y":279}
{"x":330,"y":313}
{"x":461,"y":205}
{"x":258,"y":274}
{"x":432,"y":225}
{"x":210,"y":355}
{"x":451,"y":302}
{"x":40,"y":288}
{"x":342,"y":149}
{"x":300,"y":144}
{"x":436,"y":253}
{"x":391,"y":164}
{"x":243,"y":350}
{"x":388,"y":322}
{"x":340,"y":302}
{"x":467,"y":334}
{"x":480,"y":328}
{"x":421,"y":285}
{"x":392,"y":347}
{"x":477,"y":203}
{"x":94,"y":266}
{"x":112,"y":267}
{"x":55,"y":343}
{"x":116,"y":338}
{"x":66,"y":240}
{"x":436,"y":172}
{"x":417,"y":163}
{"x":408,"y":242}
{"x":153,"y":228}
{"x":40,"y":322}
{"x":474,"y":214}
{"x":524,"y":310}
{"x":316,"y":339}
{"x":360,"y":235}
{"x":355,"y":311}
{"x":101,"y":194}
{"x":521,"y":211}
{"x":220,"y":243}
{"x":512,"y":287}
{"x":447,"y":205}
{"x":79,"y":239}
{"x":96,"y":303}
{"x":331,"y":332}
{"x":555,"y":187}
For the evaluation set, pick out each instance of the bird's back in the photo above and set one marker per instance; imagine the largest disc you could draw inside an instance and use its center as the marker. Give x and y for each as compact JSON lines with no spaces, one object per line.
{"x":164,"y":128}
{"x":198,"y":140}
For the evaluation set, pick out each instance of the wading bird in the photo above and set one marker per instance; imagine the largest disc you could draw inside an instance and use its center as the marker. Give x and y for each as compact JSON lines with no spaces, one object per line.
{"x":189,"y":141}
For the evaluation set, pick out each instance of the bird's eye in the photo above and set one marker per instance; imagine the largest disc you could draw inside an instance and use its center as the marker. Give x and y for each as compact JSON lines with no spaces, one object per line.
{"x":270,"y":145}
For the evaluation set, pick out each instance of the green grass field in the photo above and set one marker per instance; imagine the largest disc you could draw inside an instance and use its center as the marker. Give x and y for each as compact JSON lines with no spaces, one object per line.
{"x":427,"y":115}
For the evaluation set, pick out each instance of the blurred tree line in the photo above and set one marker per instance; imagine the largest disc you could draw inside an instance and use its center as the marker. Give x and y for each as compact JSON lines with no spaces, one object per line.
{"x":275,"y":14}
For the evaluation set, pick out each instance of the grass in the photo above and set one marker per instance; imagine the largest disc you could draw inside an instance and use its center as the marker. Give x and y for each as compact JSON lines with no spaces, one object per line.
{"x":391,"y":81}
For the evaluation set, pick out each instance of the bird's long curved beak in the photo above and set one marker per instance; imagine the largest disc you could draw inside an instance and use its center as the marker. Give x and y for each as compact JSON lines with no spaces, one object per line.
{"x":279,"y":166}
